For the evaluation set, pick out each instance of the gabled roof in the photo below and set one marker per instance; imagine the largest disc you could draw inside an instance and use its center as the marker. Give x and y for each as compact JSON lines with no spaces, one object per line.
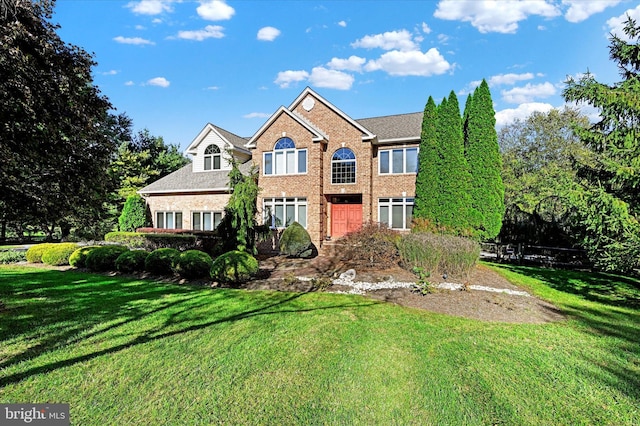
{"x":185,"y":180}
{"x":233,"y":141}
{"x":318,"y":135}
{"x":366,"y":134}
{"x":395,"y":128}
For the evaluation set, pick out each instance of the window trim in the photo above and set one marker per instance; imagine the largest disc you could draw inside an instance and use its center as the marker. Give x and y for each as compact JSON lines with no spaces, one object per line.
{"x":269,"y":206}
{"x":212,"y":156}
{"x":389,"y":202}
{"x":335,"y":162}
{"x":201,"y":214}
{"x":389,"y":164}
{"x":165,"y":213}
{"x":291,"y":149}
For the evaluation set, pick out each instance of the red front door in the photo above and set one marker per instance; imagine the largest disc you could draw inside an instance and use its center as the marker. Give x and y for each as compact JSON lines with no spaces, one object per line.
{"x":345,"y":218}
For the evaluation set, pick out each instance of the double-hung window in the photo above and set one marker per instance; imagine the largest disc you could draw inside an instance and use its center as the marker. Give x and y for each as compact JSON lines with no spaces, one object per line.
{"x":212,"y":158}
{"x":343,"y":166}
{"x":285,"y":159}
{"x":398,"y":161}
{"x":169,"y":220}
{"x":397,"y":213}
{"x":282,"y":212}
{"x":205,"y":221}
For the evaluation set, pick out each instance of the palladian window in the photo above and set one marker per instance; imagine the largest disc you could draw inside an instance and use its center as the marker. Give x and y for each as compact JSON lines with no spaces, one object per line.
{"x":285,"y":159}
{"x":212,"y":158}
{"x":343,"y":166}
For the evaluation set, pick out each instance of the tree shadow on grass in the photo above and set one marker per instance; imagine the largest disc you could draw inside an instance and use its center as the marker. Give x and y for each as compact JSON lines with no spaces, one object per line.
{"x":71,"y":307}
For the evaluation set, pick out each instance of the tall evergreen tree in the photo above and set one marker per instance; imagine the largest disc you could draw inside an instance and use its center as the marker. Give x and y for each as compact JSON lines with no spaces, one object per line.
{"x":483,"y":159}
{"x":428,"y":177}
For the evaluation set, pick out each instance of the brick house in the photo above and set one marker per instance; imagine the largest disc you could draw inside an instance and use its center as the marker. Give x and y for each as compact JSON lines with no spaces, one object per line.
{"x":317,"y":166}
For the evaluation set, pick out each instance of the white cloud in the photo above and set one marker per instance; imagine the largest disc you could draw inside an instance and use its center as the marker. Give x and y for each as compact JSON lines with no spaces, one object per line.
{"x":158,"y":81}
{"x":400,"y":40}
{"x":286,"y":78}
{"x":213,"y":88}
{"x":528,"y":93}
{"x":215,"y":10}
{"x":268,"y":33}
{"x":443,"y":38}
{"x":343,"y":24}
{"x":150,"y":7}
{"x":256,"y":115}
{"x":508,"y":79}
{"x":132,"y":40}
{"x":353,"y":63}
{"x":110,"y":72}
{"x":332,"y":79}
{"x":579,"y":10}
{"x":210,"y":31}
{"x":140,"y":27}
{"x":500,"y":16}
{"x":129,"y":83}
{"x":616,"y":24}
{"x":410,"y":63}
{"x":507,"y":116}
{"x":425,"y":28}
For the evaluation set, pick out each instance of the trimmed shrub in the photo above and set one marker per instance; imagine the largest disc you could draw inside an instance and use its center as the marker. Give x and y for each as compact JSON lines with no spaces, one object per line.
{"x":131,"y":261}
{"x":134,"y":214}
{"x":160,"y":261}
{"x":35,"y":252}
{"x":12,"y":256}
{"x":129,"y":239}
{"x":59,"y":254}
{"x":234,"y":266}
{"x":296,"y":241}
{"x":78,"y":258}
{"x":373,"y":246}
{"x":103,"y":258}
{"x":437,"y":254}
{"x":193,"y":264}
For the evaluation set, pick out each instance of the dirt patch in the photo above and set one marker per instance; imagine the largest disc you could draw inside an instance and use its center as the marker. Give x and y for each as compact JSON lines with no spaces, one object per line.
{"x":279,"y":273}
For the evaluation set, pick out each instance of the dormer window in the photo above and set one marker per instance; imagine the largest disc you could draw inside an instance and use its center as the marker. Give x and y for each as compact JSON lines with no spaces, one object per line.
{"x":212,"y":158}
{"x":285,"y":159}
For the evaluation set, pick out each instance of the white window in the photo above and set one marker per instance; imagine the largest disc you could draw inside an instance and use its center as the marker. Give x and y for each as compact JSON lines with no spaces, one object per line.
{"x":205,"y":221}
{"x":398,"y":161}
{"x":169,"y":220}
{"x":212,"y":158}
{"x":397,"y":213}
{"x":343,"y":166}
{"x":285,"y":159}
{"x":282,"y":212}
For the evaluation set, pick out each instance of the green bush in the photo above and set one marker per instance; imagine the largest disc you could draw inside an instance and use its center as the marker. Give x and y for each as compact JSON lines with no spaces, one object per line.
{"x":134,"y":214}
{"x":160,"y":261}
{"x":193,"y":264}
{"x":35,"y":252}
{"x":234,"y":266}
{"x":59,"y":254}
{"x":103,"y":258}
{"x":129,"y":239}
{"x":78,"y":258}
{"x":437,"y":253}
{"x":372,"y":246}
{"x":131,"y":261}
{"x":295,"y":241}
{"x":12,"y":256}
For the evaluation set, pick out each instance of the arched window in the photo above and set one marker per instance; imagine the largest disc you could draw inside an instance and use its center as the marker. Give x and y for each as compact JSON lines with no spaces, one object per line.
{"x":343,"y":166}
{"x":212,"y":158}
{"x":285,"y":159}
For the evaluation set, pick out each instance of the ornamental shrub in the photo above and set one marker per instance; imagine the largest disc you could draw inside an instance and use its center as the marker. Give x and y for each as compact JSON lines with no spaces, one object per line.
{"x":296,"y":241}
{"x":193,"y":264}
{"x":160,"y":261}
{"x":134,"y":214}
{"x":103,"y":258}
{"x":131,"y":261}
{"x":234,"y":267}
{"x":12,"y":256}
{"x":129,"y":239}
{"x":59,"y":254}
{"x":78,"y":258}
{"x":372,"y":246}
{"x":35,"y":252}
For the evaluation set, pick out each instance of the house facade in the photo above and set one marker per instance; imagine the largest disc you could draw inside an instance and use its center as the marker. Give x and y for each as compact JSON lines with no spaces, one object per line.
{"x":317,"y":166}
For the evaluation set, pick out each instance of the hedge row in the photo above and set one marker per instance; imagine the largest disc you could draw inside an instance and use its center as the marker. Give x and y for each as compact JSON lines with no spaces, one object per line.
{"x":152,"y":241}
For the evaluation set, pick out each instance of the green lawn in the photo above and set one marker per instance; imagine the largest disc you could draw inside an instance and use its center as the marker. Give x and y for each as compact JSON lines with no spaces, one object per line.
{"x":131,"y":352}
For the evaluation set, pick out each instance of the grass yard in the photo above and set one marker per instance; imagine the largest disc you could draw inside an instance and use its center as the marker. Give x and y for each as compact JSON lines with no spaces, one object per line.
{"x":131,"y":352}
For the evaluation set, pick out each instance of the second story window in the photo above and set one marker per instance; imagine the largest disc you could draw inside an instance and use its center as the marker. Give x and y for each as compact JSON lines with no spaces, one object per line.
{"x":212,"y":158}
{"x":343,"y":166}
{"x":398,"y":161}
{"x":285,"y":159}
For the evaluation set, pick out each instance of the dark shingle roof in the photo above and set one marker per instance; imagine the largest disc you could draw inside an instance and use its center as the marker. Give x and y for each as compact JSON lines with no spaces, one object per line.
{"x":392,"y":127}
{"x":235,"y":140}
{"x":185,"y":180}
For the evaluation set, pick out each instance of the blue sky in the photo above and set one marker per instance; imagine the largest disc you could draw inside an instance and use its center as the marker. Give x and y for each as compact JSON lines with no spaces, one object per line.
{"x":173,"y":66}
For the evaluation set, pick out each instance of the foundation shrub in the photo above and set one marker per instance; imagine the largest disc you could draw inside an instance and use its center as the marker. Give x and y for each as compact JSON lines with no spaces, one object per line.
{"x":192,"y":264}
{"x":296,"y":241}
{"x":12,"y":256}
{"x":103,"y":258}
{"x":129,"y":239}
{"x":59,"y":254}
{"x":78,"y":258}
{"x":234,"y":267}
{"x":437,"y":253}
{"x":373,"y":246}
{"x":160,"y":261}
{"x":35,"y":252}
{"x":131,"y":261}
